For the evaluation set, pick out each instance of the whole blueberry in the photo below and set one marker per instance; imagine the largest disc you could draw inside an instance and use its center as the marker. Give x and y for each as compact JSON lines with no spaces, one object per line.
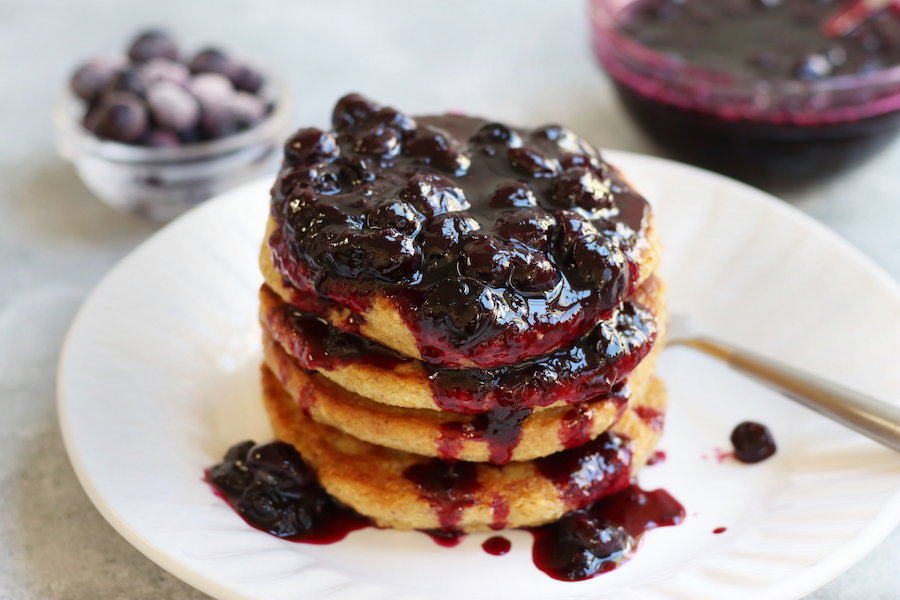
{"x":211,"y":60}
{"x":248,"y":109}
{"x":121,"y":117}
{"x":161,"y":69}
{"x":310,"y":145}
{"x":752,"y":442}
{"x":152,"y":44}
{"x":211,"y":88}
{"x":352,"y":111}
{"x":173,"y":107}
{"x":91,"y":78}
{"x":128,"y":80}
{"x":246,"y":78}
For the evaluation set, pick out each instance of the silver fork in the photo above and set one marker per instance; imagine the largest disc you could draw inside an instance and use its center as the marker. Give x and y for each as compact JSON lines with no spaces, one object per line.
{"x":869,"y":416}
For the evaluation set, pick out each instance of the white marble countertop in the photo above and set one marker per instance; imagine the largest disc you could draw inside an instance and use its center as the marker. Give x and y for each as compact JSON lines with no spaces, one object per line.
{"x":522,"y":61}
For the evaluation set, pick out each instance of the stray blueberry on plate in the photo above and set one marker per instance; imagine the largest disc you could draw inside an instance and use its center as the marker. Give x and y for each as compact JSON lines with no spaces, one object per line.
{"x":752,"y":442}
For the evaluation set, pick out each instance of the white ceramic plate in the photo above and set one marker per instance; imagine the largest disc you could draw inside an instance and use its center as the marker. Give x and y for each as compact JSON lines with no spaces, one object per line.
{"x":159,"y":376}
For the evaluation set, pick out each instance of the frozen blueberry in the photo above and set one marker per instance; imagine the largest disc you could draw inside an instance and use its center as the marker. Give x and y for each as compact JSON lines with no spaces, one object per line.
{"x":129,"y":80}
{"x":152,"y":44}
{"x":160,"y":138}
{"x":173,"y":107}
{"x":752,"y":442}
{"x":161,"y":69}
{"x":309,"y":146}
{"x":91,"y":78}
{"x":246,"y":78}
{"x":121,"y":117}
{"x":211,"y":60}
{"x":247,"y":108}
{"x":211,"y":89}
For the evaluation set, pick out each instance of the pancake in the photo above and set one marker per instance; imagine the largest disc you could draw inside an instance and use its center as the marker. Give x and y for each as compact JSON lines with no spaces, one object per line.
{"x":497,"y":437}
{"x":564,"y":377}
{"x":382,"y":321}
{"x":407,"y":491}
{"x":454,"y":240}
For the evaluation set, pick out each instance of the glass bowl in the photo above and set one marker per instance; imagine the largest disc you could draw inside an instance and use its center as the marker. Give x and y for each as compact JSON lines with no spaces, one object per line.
{"x":162,"y":183}
{"x":775,"y":134}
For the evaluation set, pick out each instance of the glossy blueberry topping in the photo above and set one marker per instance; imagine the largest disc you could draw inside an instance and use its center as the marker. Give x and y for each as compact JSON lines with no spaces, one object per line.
{"x":273,"y":489}
{"x":595,"y":365}
{"x":752,"y":442}
{"x":495,"y":244}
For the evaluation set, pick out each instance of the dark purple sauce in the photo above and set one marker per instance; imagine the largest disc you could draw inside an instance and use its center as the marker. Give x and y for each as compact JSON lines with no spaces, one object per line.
{"x":273,"y":490}
{"x":593,"y":366}
{"x":709,"y":96}
{"x":495,"y":244}
{"x":497,"y":545}
{"x":718,"y":530}
{"x":271,"y":487}
{"x":448,"y":488}
{"x":591,"y":471}
{"x":500,"y":429}
{"x":586,"y":543}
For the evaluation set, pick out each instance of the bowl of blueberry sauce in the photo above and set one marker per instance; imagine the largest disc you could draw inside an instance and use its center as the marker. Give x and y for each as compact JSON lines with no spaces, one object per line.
{"x":154,"y":132}
{"x":754,"y":88}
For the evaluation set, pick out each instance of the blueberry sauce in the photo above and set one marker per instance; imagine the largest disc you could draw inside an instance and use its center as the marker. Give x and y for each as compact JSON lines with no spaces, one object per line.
{"x":652,"y":417}
{"x":658,"y":456}
{"x":750,"y":88}
{"x":593,"y":470}
{"x":274,"y":490}
{"x":501,"y":429}
{"x":497,"y":545}
{"x":718,"y":530}
{"x":448,"y":488}
{"x":595,"y":540}
{"x":752,"y":442}
{"x":495,"y":244}
{"x":499,"y":512}
{"x":591,"y":367}
{"x":271,"y":487}
{"x":444,"y":538}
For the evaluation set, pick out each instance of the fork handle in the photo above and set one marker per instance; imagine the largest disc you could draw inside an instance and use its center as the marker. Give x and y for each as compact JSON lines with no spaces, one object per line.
{"x":869,"y":416}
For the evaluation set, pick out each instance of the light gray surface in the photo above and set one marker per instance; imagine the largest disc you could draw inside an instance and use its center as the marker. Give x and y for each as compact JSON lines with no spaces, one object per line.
{"x":523,"y":62}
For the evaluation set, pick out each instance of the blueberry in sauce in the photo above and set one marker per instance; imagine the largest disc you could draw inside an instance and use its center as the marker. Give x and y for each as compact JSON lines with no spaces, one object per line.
{"x":580,"y":546}
{"x":752,"y":442}
{"x":274,"y":490}
{"x":495,"y":244}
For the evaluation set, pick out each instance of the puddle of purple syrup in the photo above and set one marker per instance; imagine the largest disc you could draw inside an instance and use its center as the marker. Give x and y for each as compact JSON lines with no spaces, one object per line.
{"x":334,"y":524}
{"x":497,"y":545}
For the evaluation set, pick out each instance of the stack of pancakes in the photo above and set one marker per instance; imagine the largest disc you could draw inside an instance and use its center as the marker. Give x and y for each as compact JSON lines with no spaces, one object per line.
{"x":438,"y":367}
